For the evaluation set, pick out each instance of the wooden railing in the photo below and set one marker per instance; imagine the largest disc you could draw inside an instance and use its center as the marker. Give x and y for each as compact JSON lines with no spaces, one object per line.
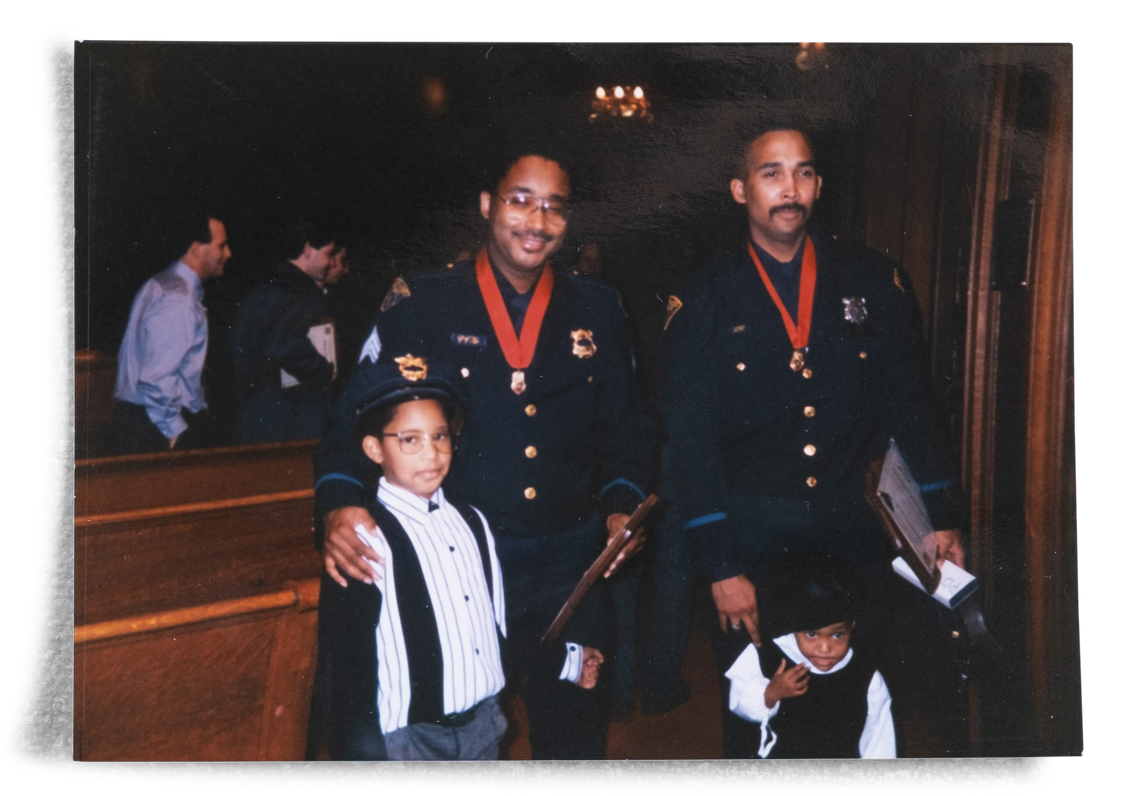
{"x":196,"y":589}
{"x":222,"y":681}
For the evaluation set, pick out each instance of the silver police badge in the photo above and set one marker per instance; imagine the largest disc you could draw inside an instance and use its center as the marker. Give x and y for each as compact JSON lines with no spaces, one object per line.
{"x":855,"y":310}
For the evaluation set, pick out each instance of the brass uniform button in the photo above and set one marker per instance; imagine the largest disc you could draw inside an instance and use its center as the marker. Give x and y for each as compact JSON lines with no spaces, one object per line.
{"x":862,"y":355}
{"x":464,"y":372}
{"x":809,"y":450}
{"x":811,"y":480}
{"x":451,"y":265}
{"x":809,"y":411}
{"x":529,"y":493}
{"x":530,"y":410}
{"x":954,"y":634}
{"x":531,"y":451}
{"x":589,"y":378}
{"x":740,"y":366}
{"x":807,"y":373}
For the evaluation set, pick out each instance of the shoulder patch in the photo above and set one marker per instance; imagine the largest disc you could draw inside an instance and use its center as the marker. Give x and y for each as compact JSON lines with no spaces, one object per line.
{"x":371,"y":347}
{"x":898,"y":282}
{"x":671,"y":308}
{"x":396,"y":294}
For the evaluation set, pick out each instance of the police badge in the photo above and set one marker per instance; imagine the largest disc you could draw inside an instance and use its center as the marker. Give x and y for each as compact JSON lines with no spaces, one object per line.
{"x":855,"y":314}
{"x":582,"y":343}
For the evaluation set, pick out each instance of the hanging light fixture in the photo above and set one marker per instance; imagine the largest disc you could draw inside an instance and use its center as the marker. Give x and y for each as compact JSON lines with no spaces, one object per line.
{"x":621,"y":102}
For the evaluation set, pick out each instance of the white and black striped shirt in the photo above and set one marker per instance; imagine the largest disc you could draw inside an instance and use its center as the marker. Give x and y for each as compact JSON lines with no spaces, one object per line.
{"x":465,"y":615}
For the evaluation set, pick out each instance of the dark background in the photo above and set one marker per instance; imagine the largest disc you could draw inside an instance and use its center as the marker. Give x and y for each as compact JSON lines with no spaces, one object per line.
{"x":265,"y":130}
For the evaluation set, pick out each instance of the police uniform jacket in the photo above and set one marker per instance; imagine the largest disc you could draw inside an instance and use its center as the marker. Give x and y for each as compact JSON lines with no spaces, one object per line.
{"x":574,"y":444}
{"x":272,"y":333}
{"x":767,"y":460}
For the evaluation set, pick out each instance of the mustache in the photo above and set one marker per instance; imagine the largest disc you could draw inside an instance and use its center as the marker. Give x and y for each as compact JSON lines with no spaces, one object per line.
{"x":788,"y":206}
{"x":546,"y":236}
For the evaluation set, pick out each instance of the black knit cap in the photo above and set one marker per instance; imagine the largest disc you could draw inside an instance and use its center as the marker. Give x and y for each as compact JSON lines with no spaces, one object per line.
{"x":814,"y":590}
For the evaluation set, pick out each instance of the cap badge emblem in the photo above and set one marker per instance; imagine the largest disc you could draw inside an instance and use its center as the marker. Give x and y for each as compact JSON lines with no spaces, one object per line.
{"x":412,"y":368}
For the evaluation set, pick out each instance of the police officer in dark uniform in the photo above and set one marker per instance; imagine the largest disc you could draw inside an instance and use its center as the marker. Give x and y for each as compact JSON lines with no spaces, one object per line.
{"x":790,"y":365}
{"x":556,"y":450}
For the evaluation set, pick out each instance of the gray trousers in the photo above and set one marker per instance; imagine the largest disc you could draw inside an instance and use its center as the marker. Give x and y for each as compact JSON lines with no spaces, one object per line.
{"x":477,"y":740}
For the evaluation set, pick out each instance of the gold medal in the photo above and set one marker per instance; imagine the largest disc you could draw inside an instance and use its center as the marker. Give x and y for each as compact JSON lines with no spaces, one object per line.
{"x":518,"y":382}
{"x":797,"y":363}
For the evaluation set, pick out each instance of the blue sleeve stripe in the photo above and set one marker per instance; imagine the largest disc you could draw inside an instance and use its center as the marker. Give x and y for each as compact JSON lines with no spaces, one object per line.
{"x":937,"y":485}
{"x":336,"y":477}
{"x":622,"y":482}
{"x":705,"y":520}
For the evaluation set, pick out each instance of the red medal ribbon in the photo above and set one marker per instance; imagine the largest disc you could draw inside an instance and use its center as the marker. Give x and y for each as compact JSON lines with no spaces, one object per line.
{"x":798,"y":334}
{"x":519,"y":351}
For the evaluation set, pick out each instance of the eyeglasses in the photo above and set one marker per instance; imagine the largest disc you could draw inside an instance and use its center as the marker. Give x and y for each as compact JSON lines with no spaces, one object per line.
{"x":523,"y":204}
{"x":411,"y":443}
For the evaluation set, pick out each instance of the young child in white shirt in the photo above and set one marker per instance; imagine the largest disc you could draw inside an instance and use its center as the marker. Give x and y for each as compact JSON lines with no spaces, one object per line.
{"x":410,"y":665}
{"x":809,"y":691}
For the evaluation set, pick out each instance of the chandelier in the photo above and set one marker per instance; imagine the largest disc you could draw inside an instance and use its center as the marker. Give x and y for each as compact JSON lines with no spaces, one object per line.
{"x":621,"y":102}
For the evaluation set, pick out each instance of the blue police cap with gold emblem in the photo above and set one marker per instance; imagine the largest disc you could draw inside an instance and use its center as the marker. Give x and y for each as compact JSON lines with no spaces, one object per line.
{"x":406,"y":378}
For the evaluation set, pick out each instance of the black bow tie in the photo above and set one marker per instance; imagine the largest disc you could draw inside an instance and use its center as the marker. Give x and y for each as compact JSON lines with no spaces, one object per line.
{"x":432,"y":507}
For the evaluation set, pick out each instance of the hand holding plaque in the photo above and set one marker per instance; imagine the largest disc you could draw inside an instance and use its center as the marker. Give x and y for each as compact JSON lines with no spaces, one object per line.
{"x":897,"y":500}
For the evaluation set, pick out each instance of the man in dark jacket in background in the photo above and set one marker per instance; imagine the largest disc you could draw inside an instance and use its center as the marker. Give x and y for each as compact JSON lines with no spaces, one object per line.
{"x":283,"y":342}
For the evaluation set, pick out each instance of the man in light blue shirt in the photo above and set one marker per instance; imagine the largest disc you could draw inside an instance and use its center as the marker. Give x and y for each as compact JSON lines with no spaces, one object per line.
{"x":164,"y":349}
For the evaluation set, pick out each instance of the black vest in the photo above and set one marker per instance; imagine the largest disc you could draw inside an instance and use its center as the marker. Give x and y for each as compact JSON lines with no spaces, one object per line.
{"x":827,"y":720}
{"x":347,"y":677}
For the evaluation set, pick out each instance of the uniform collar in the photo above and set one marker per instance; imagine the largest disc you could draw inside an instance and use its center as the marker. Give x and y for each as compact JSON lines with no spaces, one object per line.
{"x":397,"y":497}
{"x":791,"y":649}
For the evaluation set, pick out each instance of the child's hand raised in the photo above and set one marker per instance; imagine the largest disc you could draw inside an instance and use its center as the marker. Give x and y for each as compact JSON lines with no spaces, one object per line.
{"x":786,"y":683}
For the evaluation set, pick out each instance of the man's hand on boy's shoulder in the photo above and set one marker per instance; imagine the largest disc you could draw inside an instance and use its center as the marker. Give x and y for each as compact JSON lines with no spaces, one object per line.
{"x":343,"y":550}
{"x":786,"y":683}
{"x":950,"y":547}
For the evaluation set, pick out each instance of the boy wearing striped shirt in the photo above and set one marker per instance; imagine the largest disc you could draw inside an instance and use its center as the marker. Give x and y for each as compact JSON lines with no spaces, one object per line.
{"x":410,"y":664}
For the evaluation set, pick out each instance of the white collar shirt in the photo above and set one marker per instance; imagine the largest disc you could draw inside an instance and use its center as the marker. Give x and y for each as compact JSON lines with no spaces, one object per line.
{"x":468,"y":618}
{"x":748,"y":684}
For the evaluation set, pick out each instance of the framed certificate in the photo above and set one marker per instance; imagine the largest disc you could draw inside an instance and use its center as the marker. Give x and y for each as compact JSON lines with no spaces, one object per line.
{"x":894,"y":495}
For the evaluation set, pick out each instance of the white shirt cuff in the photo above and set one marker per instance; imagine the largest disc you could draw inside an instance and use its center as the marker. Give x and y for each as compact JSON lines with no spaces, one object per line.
{"x":572,"y":667}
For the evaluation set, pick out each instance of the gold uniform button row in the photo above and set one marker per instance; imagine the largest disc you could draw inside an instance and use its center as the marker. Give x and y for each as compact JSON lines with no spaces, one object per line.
{"x":529,"y":493}
{"x":809,"y":450}
{"x":811,"y":480}
{"x":530,"y":410}
{"x":531,"y":451}
{"x":809,"y":411}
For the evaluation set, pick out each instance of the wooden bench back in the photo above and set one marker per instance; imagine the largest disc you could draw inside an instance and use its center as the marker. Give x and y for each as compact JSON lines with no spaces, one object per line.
{"x":223,"y":681}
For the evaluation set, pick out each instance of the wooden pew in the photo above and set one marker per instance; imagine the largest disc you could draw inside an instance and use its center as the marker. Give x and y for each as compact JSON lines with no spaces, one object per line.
{"x":155,"y":532}
{"x":223,"y":681}
{"x":203,"y":550}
